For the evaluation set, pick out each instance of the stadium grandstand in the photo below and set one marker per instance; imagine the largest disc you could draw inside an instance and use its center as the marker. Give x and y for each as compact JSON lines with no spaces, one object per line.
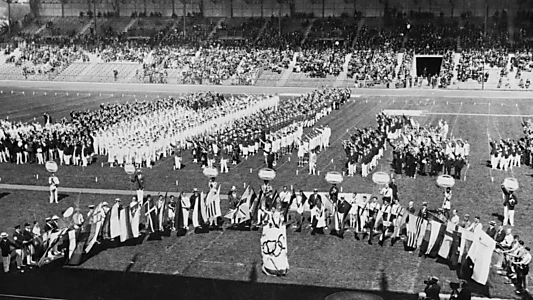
{"x":451,"y":44}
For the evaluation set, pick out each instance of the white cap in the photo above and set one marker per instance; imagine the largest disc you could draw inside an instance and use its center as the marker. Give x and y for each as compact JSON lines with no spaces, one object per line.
{"x":233,"y":188}
{"x":55,"y":217}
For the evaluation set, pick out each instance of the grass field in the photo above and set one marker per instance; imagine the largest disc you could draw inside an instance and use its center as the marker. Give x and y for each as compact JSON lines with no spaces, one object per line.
{"x":317,"y":261}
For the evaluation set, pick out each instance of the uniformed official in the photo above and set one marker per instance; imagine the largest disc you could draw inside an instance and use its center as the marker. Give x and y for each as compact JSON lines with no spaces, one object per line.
{"x":53,"y":181}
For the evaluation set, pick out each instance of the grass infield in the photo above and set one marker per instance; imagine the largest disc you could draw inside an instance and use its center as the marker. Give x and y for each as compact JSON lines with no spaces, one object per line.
{"x":319,"y":261}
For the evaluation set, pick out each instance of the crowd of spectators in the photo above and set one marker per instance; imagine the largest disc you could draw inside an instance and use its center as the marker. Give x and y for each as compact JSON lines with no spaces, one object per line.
{"x":332,"y":28}
{"x":523,"y":60}
{"x":369,"y":67}
{"x":404,"y":75}
{"x":45,"y":59}
{"x":446,"y":69}
{"x":195,"y":54}
{"x":371,"y":38}
{"x":274,"y":37}
{"x":318,"y":63}
{"x":432,"y":38}
{"x":471,"y":66}
{"x":124,"y":52}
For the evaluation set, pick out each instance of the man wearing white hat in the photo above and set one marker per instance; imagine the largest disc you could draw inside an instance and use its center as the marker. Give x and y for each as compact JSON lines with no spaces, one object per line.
{"x":54,"y":182}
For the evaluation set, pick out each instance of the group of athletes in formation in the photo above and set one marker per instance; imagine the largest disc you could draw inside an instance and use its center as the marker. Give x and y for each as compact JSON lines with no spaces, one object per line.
{"x":244,"y":126}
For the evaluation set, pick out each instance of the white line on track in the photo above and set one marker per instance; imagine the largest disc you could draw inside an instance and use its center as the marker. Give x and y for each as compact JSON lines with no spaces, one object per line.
{"x":456,"y":118}
{"x":488,"y":143}
{"x":342,"y":135}
{"x":239,"y":264}
{"x":477,"y":115}
{"x":26,"y":297}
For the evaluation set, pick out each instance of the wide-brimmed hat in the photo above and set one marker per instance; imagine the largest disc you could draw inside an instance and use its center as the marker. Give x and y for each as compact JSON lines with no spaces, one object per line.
{"x":3,"y":235}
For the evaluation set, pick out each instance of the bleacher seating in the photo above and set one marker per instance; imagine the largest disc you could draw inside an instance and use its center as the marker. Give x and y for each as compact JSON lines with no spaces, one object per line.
{"x":67,"y":26}
{"x":103,"y":72}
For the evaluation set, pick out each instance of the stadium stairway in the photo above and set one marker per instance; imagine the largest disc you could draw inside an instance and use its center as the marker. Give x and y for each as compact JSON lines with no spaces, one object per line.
{"x":287,"y":73}
{"x":263,"y":28}
{"x":214,"y":31}
{"x":85,"y":28}
{"x":344,"y":74}
{"x":456,"y":59}
{"x":494,"y":77}
{"x":43,"y":27}
{"x":87,"y":68}
{"x":131,"y":23}
{"x":360,"y":25}
{"x":510,"y":28}
{"x":511,"y":57}
{"x":399,"y":61}
{"x":307,"y":31}
{"x":72,"y":71}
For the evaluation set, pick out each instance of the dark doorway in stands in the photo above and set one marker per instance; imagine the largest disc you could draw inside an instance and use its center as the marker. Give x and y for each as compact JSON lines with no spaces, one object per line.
{"x":428,"y":66}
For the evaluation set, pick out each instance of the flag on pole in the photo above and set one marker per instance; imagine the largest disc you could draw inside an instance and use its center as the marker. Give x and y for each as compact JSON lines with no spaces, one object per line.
{"x":242,"y":211}
{"x":55,"y":237}
{"x":467,"y":237}
{"x":274,"y":250}
{"x":361,"y":218}
{"x":96,"y":219}
{"x":82,"y":236}
{"x":212,"y":204}
{"x":481,"y":256}
{"x":416,"y":229}
{"x":151,"y":218}
{"x":445,"y":247}
{"x":114,"y":222}
{"x":436,"y":238}
{"x":71,"y":242}
{"x":126,"y":232}
{"x":106,"y":234}
{"x":135,"y":217}
{"x":454,"y":250}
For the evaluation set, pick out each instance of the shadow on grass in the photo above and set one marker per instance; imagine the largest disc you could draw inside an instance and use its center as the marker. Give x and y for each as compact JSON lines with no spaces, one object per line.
{"x":4,"y":194}
{"x":61,"y":196}
{"x":499,"y":216}
{"x":56,"y":281}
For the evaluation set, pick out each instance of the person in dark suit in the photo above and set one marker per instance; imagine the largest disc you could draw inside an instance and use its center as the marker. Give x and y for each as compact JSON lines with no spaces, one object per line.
{"x":233,"y":199}
{"x":18,"y":240}
{"x":432,"y":289}
{"x":270,"y":160}
{"x":423,"y":212}
{"x":394,"y":188}
{"x":28,"y":243}
{"x":491,"y":231}
{"x":139,"y":180}
{"x":7,"y":247}
{"x":500,"y":234}
{"x":18,"y":237}
{"x":334,"y":194}
{"x":493,"y":154}
{"x":313,"y":200}
{"x":465,"y":293}
{"x":458,"y":166}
